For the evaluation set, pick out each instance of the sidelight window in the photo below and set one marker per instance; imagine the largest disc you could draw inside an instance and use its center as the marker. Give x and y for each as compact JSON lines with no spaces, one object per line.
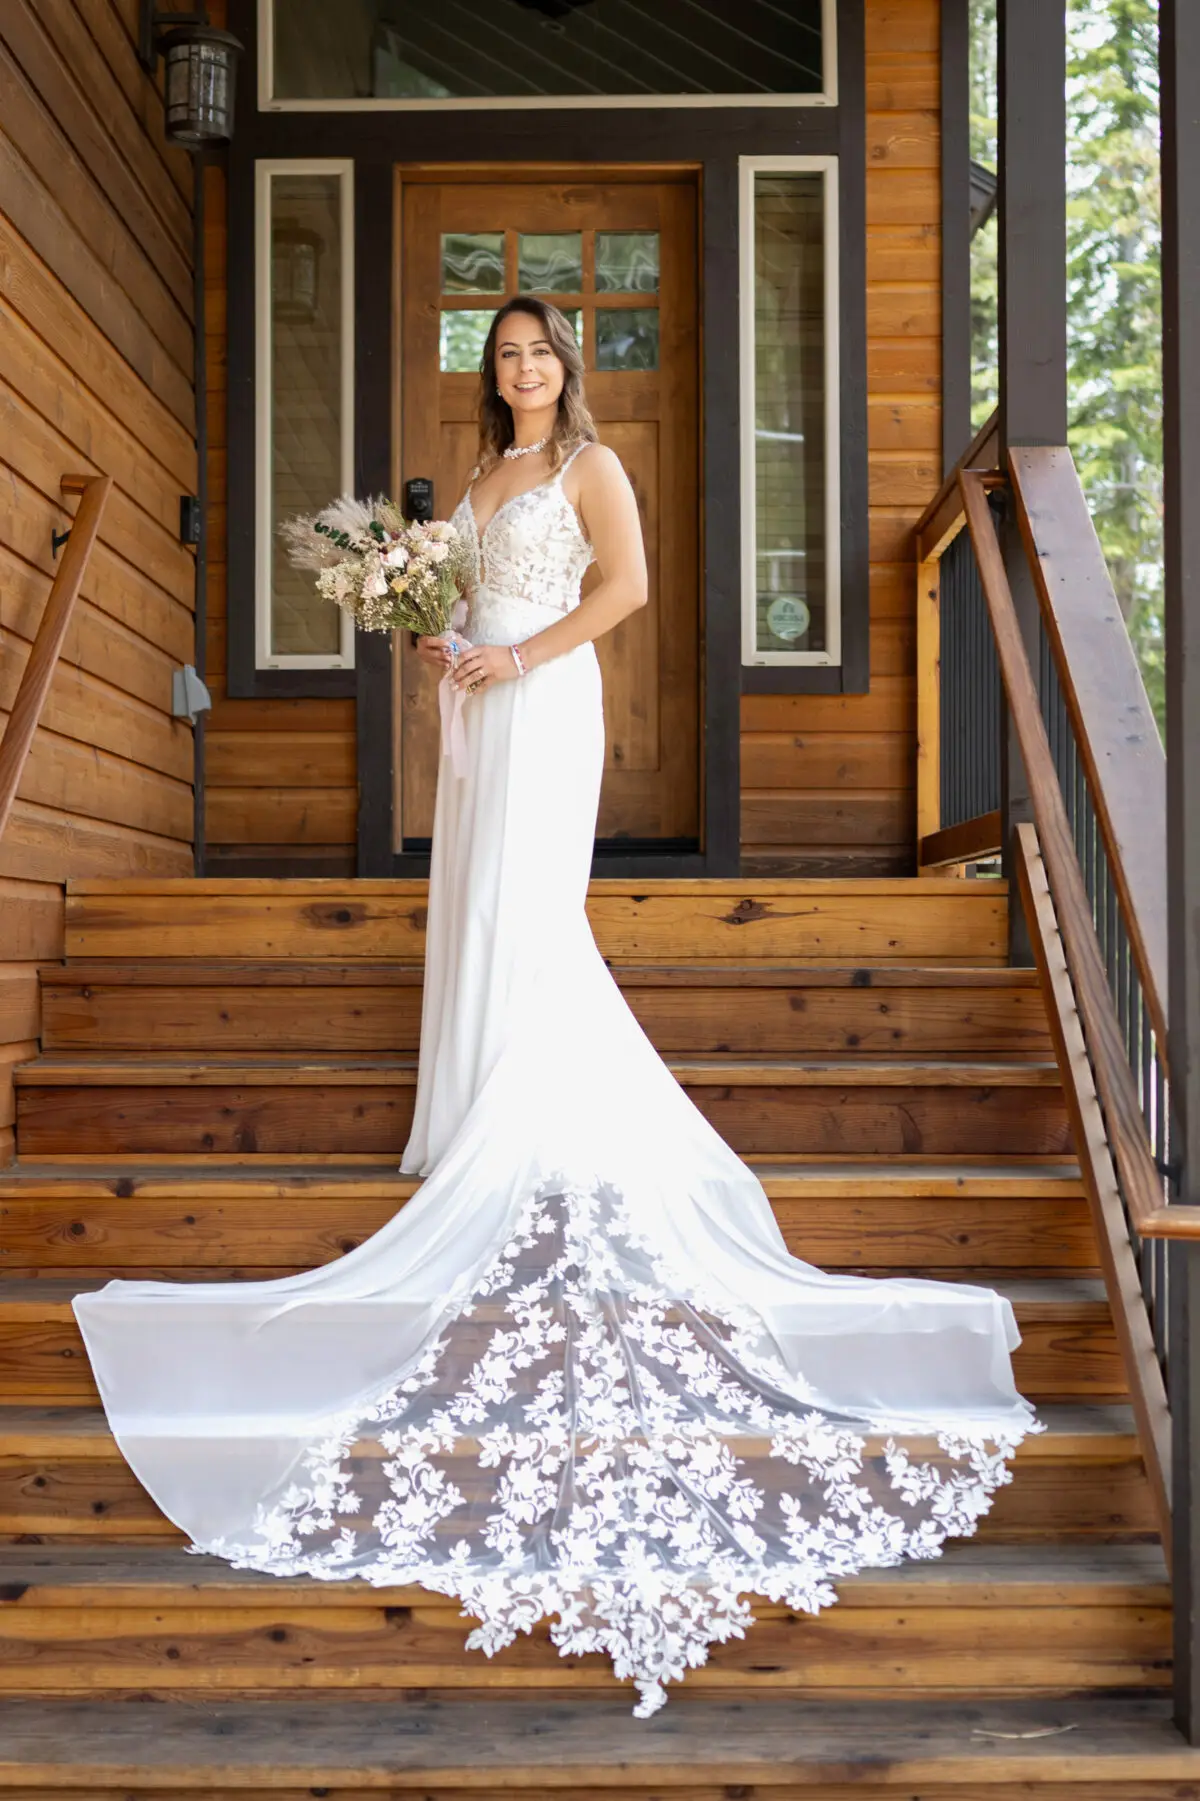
{"x":305,"y":397}
{"x":791,"y":612}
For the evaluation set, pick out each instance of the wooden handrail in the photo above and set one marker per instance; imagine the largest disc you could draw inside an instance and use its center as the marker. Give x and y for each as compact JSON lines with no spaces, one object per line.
{"x":1093,"y":997}
{"x":1114,"y":728}
{"x":968,"y":842}
{"x":942,"y":518}
{"x":1147,"y":1390}
{"x":51,"y":632}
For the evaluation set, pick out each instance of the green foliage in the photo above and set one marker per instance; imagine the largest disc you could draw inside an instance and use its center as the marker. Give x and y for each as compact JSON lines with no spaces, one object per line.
{"x":1113,"y":289}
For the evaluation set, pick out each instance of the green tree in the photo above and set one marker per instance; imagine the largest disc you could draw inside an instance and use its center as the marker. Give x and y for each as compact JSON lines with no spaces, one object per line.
{"x":1114,"y":301}
{"x":1113,"y":289}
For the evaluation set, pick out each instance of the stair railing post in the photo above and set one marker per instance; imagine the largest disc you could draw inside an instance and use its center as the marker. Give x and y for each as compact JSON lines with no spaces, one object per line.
{"x":1179,"y":66}
{"x":1031,"y":67}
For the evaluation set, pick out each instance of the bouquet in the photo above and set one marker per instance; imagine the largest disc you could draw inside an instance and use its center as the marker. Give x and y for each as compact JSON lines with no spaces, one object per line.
{"x":392,"y":574}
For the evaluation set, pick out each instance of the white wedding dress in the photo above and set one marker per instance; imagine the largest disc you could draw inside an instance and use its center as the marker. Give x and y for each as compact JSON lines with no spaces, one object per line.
{"x":579,"y":1374}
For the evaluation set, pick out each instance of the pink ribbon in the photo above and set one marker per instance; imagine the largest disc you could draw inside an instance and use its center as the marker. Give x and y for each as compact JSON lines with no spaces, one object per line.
{"x":450,"y":706}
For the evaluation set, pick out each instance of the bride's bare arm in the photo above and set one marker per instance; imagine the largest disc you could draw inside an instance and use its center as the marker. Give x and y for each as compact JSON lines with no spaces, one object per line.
{"x":608,"y":509}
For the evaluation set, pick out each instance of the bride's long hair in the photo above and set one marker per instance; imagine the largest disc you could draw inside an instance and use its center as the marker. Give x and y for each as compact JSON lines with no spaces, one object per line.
{"x":573,"y":423}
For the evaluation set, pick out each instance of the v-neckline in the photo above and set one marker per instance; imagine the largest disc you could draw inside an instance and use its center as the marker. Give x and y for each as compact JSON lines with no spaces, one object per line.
{"x":481,"y":533}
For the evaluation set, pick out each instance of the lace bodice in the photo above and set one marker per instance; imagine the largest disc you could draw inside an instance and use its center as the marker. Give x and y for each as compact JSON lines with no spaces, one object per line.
{"x":532,"y":553}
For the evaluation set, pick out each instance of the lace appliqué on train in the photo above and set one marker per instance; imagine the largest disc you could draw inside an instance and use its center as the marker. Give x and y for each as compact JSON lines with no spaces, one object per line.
{"x":585,"y":1440}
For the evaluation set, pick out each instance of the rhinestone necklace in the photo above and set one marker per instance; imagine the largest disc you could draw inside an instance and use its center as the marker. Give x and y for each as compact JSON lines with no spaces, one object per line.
{"x":526,"y":450}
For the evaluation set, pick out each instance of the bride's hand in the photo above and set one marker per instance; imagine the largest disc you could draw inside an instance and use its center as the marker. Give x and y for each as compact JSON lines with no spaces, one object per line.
{"x":483,"y":665}
{"x":433,"y":652}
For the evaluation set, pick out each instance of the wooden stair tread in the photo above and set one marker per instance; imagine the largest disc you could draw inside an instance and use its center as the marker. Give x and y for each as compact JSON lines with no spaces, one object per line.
{"x":151,"y":1575}
{"x":417,"y":887}
{"x":543,"y":1744}
{"x":199,"y":972}
{"x":1102,"y":1433}
{"x":168,"y":1069}
{"x":49,"y":1297}
{"x":883,"y":1176}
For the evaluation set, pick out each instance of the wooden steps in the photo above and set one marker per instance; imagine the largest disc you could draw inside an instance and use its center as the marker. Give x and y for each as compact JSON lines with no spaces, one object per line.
{"x":981,"y":1619}
{"x":207,"y":1219}
{"x":62,"y":1477}
{"x":276,"y":1107}
{"x":832,"y":922}
{"x":1068,"y":1348}
{"x":311,"y":1008}
{"x":225,"y":1086}
{"x":443,"y":1746}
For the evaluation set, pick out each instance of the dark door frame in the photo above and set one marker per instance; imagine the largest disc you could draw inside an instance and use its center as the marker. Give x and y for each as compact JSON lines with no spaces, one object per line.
{"x":710,"y":138}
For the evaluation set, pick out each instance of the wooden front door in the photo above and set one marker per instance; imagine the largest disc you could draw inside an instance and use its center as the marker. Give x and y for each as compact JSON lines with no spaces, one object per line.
{"x":619,"y":257}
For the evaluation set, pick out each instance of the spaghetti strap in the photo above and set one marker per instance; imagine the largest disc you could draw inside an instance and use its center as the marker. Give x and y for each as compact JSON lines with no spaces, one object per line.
{"x":570,"y":458}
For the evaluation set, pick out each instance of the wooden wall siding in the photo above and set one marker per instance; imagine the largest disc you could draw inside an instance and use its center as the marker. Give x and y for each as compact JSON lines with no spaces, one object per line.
{"x":828,"y":780}
{"x":96,"y":373}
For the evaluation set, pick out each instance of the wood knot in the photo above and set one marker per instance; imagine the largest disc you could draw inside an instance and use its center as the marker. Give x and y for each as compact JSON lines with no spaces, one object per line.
{"x":745,"y":911}
{"x":334,"y":913}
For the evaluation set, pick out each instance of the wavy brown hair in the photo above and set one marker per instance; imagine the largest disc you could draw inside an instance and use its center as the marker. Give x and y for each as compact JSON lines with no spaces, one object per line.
{"x":573,"y":424}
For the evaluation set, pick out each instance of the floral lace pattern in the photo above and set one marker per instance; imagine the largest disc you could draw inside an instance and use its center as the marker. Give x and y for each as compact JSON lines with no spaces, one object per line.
{"x":532,"y":549}
{"x":591,"y":1441}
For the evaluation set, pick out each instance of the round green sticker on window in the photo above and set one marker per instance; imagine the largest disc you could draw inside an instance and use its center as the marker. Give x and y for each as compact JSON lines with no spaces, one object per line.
{"x":788,"y":617}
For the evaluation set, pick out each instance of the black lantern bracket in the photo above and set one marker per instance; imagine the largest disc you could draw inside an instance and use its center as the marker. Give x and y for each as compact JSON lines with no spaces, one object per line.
{"x":152,"y":25}
{"x":201,"y":64}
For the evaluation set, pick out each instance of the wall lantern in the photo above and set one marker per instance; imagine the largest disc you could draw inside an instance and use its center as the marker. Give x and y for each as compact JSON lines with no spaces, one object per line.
{"x":201,"y":66}
{"x":295,"y":272}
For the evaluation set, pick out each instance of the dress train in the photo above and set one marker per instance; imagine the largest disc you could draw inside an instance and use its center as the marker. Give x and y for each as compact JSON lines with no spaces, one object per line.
{"x":578,"y":1376}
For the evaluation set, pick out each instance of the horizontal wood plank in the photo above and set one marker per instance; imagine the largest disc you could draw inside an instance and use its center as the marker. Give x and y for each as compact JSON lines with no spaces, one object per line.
{"x":50,"y":846}
{"x":905,"y":921}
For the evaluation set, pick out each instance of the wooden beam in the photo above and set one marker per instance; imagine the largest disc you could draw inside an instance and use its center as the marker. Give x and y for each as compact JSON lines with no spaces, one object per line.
{"x":1179,"y":63}
{"x":1135,"y":1336}
{"x":1113,"y":725}
{"x":929,"y":701}
{"x":966,"y":842}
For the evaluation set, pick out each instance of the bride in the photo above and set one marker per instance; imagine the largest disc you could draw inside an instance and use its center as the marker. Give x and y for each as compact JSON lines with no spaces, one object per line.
{"x":578,"y":1376}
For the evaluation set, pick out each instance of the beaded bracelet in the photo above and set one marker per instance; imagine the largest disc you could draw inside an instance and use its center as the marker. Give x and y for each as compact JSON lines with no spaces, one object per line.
{"x":518,"y":660}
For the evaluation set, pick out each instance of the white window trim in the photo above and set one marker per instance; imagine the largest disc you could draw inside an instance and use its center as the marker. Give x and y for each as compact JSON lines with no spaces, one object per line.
{"x":264,"y":172}
{"x":537,"y":102}
{"x":831,"y":656}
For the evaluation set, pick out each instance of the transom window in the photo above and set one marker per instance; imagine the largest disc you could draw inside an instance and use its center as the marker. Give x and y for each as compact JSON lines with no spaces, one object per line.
{"x":539,"y":52}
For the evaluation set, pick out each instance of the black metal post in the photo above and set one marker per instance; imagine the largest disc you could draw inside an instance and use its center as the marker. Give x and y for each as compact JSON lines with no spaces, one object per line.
{"x":374,"y":188}
{"x":956,"y":230}
{"x":200,"y":652}
{"x":1179,"y":62}
{"x":1032,"y":79}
